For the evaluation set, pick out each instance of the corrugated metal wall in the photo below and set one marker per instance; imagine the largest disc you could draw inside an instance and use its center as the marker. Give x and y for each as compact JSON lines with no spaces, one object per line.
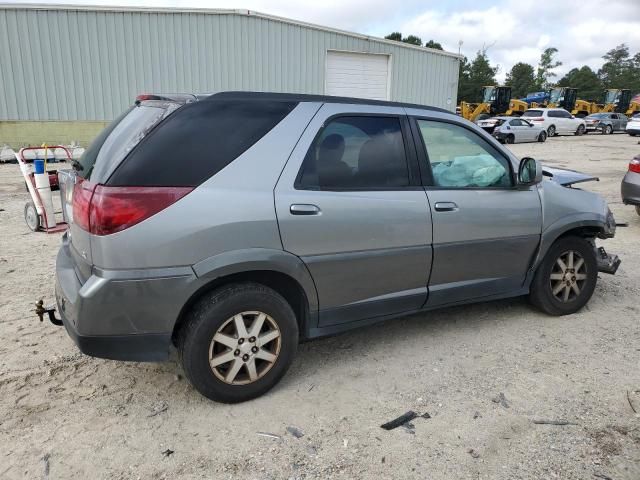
{"x":89,"y":65}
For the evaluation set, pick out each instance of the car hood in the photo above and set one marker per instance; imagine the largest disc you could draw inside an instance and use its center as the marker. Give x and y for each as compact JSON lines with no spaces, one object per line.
{"x":567,"y":177}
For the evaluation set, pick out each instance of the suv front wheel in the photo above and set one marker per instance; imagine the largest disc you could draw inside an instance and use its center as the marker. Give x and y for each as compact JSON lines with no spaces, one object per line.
{"x":238,"y":342}
{"x":566,"y":278}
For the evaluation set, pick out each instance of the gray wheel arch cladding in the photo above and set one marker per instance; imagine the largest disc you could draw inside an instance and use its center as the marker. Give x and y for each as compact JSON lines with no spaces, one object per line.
{"x":255,"y":260}
{"x":557,"y":230}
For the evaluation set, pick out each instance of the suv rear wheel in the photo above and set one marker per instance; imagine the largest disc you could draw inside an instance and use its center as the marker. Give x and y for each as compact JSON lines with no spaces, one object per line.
{"x":551,"y":131}
{"x":566,"y":278}
{"x":238,"y":342}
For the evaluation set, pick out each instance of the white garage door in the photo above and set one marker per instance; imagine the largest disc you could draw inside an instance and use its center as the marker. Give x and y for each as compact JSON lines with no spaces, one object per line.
{"x":360,"y":75}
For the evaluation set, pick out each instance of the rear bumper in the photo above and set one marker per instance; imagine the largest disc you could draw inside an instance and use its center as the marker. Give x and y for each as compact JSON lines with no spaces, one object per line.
{"x":630,"y":188}
{"x":121,"y":315}
{"x":152,"y":347}
{"x":633,"y":131}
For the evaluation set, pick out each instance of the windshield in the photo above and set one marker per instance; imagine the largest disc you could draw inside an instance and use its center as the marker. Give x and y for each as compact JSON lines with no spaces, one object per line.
{"x":612,"y":96}
{"x":557,"y":95}
{"x":489,"y":95}
{"x":532,"y":113}
{"x":110,"y":147}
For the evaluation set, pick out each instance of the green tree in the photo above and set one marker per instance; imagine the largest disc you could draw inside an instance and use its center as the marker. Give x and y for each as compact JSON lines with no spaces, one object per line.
{"x":475,"y":75}
{"x":413,"y":40}
{"x":433,"y":44}
{"x":521,"y":79}
{"x":545,"y":66}
{"x":585,"y":80}
{"x":620,"y":70}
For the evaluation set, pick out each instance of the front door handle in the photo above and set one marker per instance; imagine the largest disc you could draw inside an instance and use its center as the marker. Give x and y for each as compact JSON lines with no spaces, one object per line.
{"x":304,"y":209}
{"x":446,"y":207}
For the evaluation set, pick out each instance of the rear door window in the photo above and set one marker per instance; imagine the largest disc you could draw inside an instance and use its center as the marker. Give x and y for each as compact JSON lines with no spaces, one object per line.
{"x":199,"y":140}
{"x":356,"y":153}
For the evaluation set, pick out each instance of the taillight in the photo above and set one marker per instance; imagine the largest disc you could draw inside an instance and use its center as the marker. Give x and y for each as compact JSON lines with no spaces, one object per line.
{"x":634,"y":165}
{"x":114,"y":209}
{"x":82,"y":193}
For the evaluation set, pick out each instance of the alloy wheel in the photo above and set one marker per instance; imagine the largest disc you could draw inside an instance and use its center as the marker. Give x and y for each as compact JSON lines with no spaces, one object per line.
{"x":568,"y":276}
{"x":245,"y":348}
{"x":551,"y":131}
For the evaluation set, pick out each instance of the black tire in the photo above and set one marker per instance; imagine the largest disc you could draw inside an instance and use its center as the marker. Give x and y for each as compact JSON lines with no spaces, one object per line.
{"x":31,"y":217}
{"x":541,"y":294}
{"x":580,"y":131}
{"x":607,"y":130}
{"x":633,"y":134}
{"x":638,"y":209}
{"x":551,"y":131}
{"x":510,"y":139}
{"x":542,"y":137}
{"x":210,"y":314}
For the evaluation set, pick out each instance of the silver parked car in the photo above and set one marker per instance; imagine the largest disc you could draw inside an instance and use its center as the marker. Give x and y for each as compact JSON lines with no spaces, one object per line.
{"x":606,"y":123}
{"x":518,"y":130}
{"x":233,"y":226}
{"x":630,"y":188}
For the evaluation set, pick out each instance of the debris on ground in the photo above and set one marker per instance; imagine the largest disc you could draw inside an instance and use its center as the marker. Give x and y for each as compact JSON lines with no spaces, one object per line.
{"x":47,"y":467}
{"x":409,"y":428}
{"x":473,"y":453}
{"x":603,"y":476}
{"x":403,"y":419}
{"x":501,"y":399}
{"x":477,"y":415}
{"x":158,"y":408}
{"x":553,"y":422}
{"x":631,"y":404}
{"x":168,"y":452}
{"x":269,"y":435}
{"x":296,"y":432}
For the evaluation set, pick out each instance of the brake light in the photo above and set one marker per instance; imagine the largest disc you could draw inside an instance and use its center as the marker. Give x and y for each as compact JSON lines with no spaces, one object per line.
{"x":114,"y":209}
{"x":82,"y":193}
{"x":537,"y":119}
{"x":634,"y":165}
{"x":148,"y":96}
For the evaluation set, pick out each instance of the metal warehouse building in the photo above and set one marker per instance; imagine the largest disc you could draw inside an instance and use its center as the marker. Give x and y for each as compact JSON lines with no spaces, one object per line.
{"x":67,"y":70}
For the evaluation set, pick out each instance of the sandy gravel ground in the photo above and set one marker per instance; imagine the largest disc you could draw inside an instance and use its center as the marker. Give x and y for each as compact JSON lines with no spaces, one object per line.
{"x":65,"y":415}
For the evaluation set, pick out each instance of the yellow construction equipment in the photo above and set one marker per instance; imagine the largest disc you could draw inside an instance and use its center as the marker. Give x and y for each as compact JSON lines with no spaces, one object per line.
{"x":495,"y":101}
{"x":616,"y":100}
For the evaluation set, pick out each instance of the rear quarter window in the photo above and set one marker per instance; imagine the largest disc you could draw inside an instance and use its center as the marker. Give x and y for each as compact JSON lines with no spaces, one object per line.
{"x":532,"y":113}
{"x":199,"y":140}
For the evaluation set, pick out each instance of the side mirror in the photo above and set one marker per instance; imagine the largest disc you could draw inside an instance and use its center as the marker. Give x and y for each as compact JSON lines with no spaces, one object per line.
{"x":529,"y":172}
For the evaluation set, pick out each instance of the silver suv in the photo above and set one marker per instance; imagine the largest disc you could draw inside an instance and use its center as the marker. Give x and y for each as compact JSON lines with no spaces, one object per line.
{"x":235,"y":225}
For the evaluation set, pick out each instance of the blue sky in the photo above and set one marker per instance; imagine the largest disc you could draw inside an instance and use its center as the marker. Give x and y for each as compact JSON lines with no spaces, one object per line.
{"x":513,"y":30}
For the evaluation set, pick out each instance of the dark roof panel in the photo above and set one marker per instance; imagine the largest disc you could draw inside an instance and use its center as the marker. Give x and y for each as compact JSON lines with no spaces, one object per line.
{"x":300,"y":97}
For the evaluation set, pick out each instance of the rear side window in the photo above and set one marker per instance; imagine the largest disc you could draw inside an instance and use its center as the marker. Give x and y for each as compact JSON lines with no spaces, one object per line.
{"x":199,"y":140}
{"x":356,"y":153}
{"x":532,"y":113}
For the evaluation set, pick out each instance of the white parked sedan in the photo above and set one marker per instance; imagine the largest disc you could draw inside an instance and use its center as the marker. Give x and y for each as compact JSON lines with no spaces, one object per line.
{"x":556,"y":121}
{"x":633,"y":125}
{"x":514,"y":130}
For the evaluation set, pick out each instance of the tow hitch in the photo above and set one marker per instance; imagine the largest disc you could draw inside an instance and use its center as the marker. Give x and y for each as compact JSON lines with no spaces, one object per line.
{"x":51,"y":311}
{"x":607,"y":263}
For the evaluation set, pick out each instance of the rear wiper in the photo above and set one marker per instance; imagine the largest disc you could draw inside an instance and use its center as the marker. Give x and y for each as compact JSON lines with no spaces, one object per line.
{"x":76,"y":165}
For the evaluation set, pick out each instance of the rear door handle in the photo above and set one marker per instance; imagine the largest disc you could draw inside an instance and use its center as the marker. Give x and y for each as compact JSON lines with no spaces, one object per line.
{"x":446,"y":207}
{"x":304,"y":209}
